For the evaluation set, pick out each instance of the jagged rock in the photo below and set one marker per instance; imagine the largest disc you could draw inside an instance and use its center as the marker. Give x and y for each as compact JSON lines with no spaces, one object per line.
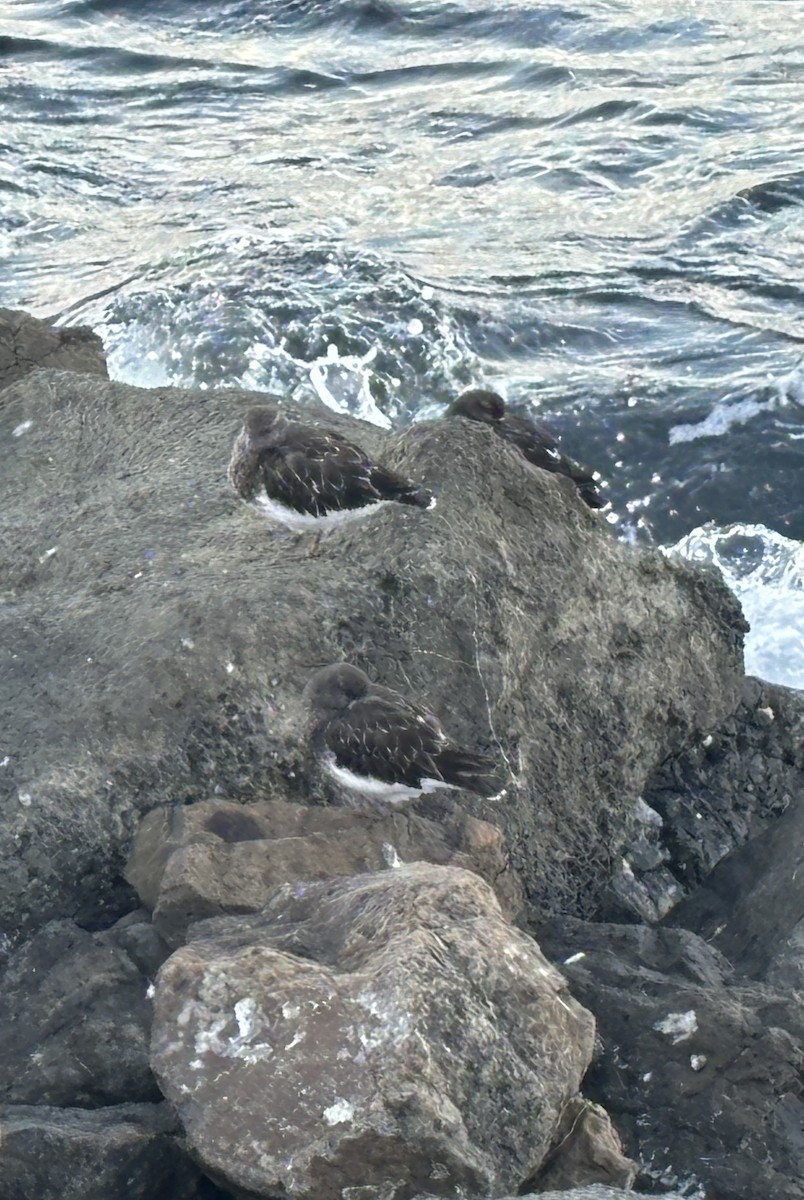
{"x":74,"y":1019}
{"x":785,"y":969}
{"x":586,"y":1149}
{"x":216,"y":857}
{"x":701,"y":1074}
{"x":27,"y":343}
{"x":390,"y":1032}
{"x":753,"y":900}
{"x":730,"y":789}
{"x":128,"y":1152}
{"x":157,"y":633}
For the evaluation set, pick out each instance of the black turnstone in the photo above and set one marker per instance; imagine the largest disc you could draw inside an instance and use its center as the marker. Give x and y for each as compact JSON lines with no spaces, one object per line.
{"x":376,"y":743}
{"x":301,"y":473}
{"x":533,"y":441}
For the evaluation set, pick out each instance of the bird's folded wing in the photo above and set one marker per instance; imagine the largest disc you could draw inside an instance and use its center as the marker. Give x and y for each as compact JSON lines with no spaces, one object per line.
{"x":386,"y":738}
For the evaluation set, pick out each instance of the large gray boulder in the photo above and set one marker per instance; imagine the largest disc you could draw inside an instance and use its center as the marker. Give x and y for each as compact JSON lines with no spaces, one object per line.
{"x":157,"y":634}
{"x":27,"y":343}
{"x":390,"y":1032}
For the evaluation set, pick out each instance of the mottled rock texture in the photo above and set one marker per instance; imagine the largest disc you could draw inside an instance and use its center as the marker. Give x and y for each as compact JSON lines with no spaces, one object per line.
{"x":156,"y":634}
{"x":128,"y":1152}
{"x":701,"y":1072}
{"x":389,"y":1031}
{"x":74,"y":1017}
{"x":729,"y":789}
{"x":216,"y":857}
{"x":27,"y":343}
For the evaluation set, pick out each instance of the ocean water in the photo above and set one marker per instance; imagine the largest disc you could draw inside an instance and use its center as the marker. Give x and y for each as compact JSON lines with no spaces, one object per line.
{"x":595,"y":207}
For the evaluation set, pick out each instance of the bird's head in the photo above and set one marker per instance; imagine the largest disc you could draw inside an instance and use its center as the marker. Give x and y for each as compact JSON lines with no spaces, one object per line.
{"x":332,"y":689}
{"x":478,"y":404}
{"x":259,"y":424}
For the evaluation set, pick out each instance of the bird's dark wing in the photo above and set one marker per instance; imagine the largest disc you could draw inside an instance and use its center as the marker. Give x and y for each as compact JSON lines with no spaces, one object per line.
{"x":316,"y":471}
{"x":540,"y":448}
{"x":536,"y":443}
{"x":384,"y":736}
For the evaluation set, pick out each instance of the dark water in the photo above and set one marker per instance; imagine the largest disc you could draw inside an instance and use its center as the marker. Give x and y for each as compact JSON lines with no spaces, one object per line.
{"x":597,"y":208}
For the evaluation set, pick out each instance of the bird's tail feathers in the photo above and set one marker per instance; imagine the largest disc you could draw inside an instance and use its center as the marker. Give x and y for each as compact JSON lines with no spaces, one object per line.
{"x":394,"y":487}
{"x":470,"y":771}
{"x":587,"y":486}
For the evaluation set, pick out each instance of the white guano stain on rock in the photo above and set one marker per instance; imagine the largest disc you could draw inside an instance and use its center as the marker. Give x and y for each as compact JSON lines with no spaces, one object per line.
{"x":678,"y":1026}
{"x":339,"y":1112}
{"x":215,"y":1037}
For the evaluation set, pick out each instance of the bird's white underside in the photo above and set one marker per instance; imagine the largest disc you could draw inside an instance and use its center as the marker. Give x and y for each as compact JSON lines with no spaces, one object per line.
{"x":378,"y":789}
{"x":296,"y":520}
{"x":299,"y":521}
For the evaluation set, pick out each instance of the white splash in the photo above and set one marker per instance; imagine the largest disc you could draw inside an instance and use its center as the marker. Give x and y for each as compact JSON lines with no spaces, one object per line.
{"x":389,"y":853}
{"x":787,"y":389}
{"x":326,"y":371}
{"x":22,"y":428}
{"x":765,"y":570}
{"x":678,"y":1026}
{"x":721,"y":419}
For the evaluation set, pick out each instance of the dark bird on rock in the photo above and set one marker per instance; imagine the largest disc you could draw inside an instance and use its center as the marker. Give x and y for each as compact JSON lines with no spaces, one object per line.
{"x":533,"y":441}
{"x":381,"y":746}
{"x":301,"y":473}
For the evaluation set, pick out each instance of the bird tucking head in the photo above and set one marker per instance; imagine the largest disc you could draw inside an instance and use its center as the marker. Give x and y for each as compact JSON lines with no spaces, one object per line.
{"x":259,"y":424}
{"x":332,"y":689}
{"x":478,"y":404}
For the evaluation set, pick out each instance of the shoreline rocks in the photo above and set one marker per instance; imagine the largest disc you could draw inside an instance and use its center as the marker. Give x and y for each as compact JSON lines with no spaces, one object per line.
{"x":155,"y":635}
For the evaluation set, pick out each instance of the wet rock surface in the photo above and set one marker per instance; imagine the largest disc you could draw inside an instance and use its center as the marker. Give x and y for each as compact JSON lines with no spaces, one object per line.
{"x":74,"y":1016}
{"x":217,"y":857}
{"x":27,"y":343}
{"x":158,"y":632}
{"x":699,"y":1070}
{"x":127,"y":1152}
{"x":407,"y":1036}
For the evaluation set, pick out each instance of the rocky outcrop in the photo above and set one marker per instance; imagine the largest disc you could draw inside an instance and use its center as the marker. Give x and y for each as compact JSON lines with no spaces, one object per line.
{"x":128,"y":1152}
{"x":156,"y":636}
{"x":701,"y":1072}
{"x":216,"y":857}
{"x":159,"y":633}
{"x":26,"y":343}
{"x":390,"y":1032}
